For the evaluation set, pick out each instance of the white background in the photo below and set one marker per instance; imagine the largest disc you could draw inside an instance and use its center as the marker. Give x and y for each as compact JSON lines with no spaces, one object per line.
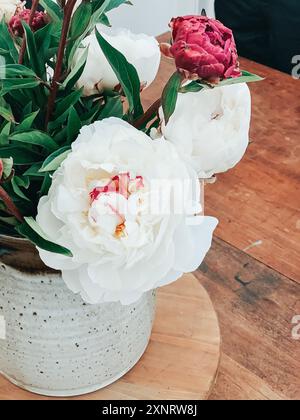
{"x":152,"y":16}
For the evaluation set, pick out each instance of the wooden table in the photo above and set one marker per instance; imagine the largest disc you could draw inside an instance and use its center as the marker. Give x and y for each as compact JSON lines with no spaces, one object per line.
{"x":252,"y":272}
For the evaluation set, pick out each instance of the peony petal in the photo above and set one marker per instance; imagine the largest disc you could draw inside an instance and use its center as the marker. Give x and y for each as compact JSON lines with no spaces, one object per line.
{"x":57,"y":261}
{"x":47,"y":220}
{"x":169,"y":278}
{"x":120,"y":261}
{"x":217,"y":133}
{"x":140,"y":50}
{"x":197,"y":239}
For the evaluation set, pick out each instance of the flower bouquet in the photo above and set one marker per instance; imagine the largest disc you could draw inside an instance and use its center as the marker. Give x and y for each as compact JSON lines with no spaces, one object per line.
{"x":99,"y":198}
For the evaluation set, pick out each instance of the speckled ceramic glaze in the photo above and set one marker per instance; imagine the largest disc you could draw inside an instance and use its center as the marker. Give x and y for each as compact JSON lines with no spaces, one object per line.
{"x":55,"y":343}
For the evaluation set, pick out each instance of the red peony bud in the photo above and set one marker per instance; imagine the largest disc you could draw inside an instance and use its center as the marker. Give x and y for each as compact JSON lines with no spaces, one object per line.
{"x":15,"y":23}
{"x":204,"y":48}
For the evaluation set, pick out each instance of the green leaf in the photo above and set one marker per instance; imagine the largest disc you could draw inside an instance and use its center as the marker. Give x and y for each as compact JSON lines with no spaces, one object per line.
{"x":23,"y":181}
{"x":99,"y":8}
{"x":6,"y":114}
{"x":92,"y":115}
{"x":64,"y":105}
{"x":80,"y":20}
{"x":192,"y":87}
{"x":197,"y":86}
{"x":32,"y":231}
{"x":35,"y":137}
{"x":112,"y":4}
{"x":96,"y":4}
{"x":245,"y":78}
{"x":27,"y":122}
{"x":5,"y":134}
{"x":4,"y":53}
{"x":62,"y":109}
{"x":112,"y":108}
{"x":26,"y":110}
{"x":104,"y":20}
{"x":170,"y":95}
{"x":32,"y":51}
{"x":19,"y":98}
{"x":116,"y":3}
{"x":15,"y":70}
{"x":33,"y":171}
{"x":46,"y":184}
{"x":44,"y":39}
{"x":7,"y":166}
{"x":21,"y":155}
{"x":9,"y":85}
{"x":76,"y":72}
{"x":53,"y":162}
{"x":74,"y":125}
{"x":7,"y":43}
{"x":126,"y":74}
{"x":61,"y":135}
{"x":9,"y":220}
{"x":53,"y":10}
{"x":17,"y":190}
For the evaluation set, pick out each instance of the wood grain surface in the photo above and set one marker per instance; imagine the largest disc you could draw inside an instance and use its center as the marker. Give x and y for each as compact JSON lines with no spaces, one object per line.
{"x":256,"y":305}
{"x":181,"y":361}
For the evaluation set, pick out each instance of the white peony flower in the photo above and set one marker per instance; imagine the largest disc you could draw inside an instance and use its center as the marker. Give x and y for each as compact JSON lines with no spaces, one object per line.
{"x":8,"y":9}
{"x":102,"y":205}
{"x":140,"y":50}
{"x":211,"y":128}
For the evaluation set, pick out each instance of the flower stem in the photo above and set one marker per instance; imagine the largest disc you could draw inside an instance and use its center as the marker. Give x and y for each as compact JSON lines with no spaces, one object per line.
{"x":148,"y":114}
{"x":10,"y":205}
{"x":68,"y":10}
{"x":35,"y":5}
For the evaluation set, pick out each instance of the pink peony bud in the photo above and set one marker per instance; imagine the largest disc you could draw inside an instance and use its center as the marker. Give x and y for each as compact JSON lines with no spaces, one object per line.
{"x":15,"y":23}
{"x":203,"y":48}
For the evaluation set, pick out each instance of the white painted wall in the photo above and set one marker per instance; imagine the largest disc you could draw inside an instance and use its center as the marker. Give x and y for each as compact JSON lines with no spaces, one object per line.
{"x":152,"y":16}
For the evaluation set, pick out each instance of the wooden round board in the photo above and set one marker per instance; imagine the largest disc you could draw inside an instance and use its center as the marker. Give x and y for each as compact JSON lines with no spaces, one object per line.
{"x":182,"y":359}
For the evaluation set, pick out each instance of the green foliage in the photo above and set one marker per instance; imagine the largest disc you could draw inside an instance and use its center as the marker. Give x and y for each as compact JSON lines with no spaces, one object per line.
{"x":170,"y":95}
{"x":31,"y":230}
{"x":53,"y":10}
{"x":126,"y":74}
{"x":30,"y":149}
{"x":197,"y":86}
